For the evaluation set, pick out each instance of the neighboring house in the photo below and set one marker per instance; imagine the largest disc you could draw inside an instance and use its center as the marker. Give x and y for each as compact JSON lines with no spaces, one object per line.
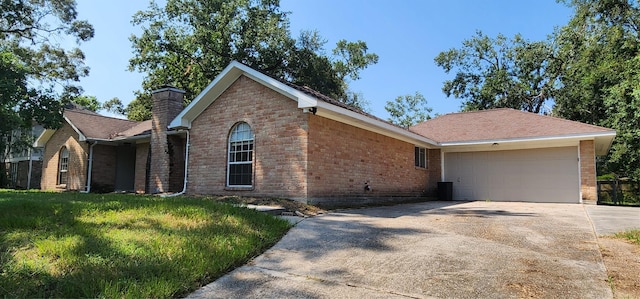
{"x":251,"y":135}
{"x":24,"y":166}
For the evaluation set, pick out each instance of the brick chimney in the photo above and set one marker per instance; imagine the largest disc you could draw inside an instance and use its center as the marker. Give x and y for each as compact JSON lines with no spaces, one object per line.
{"x":167,"y":104}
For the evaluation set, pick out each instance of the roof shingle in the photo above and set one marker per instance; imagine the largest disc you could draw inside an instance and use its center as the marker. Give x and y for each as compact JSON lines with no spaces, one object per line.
{"x":499,"y":124}
{"x":96,"y":126}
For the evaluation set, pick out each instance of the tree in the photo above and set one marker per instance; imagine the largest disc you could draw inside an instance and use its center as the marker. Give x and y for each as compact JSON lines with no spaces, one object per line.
{"x":89,"y":102}
{"x":36,"y":74}
{"x":114,"y":106}
{"x":187,"y":43}
{"x":600,"y":76}
{"x":500,"y":72}
{"x":408,"y":110}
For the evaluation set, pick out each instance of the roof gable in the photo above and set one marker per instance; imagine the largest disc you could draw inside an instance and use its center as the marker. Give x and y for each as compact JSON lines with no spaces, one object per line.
{"x":308,"y":100}
{"x":229,"y":75}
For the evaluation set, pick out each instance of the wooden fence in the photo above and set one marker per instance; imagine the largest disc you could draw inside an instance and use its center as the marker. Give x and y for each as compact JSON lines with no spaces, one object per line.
{"x":619,"y":192}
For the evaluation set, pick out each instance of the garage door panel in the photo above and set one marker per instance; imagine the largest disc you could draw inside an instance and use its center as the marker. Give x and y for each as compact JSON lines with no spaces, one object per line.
{"x":542,"y":175}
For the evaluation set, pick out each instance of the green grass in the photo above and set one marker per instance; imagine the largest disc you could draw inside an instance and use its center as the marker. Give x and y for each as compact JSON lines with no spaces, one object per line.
{"x":123,"y":246}
{"x":631,"y":235}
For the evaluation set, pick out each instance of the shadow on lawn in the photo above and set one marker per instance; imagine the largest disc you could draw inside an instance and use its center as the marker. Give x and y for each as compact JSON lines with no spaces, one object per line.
{"x":139,"y":258}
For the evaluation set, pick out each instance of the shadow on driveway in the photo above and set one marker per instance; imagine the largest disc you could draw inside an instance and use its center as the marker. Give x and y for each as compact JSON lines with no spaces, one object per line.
{"x":426,"y":250}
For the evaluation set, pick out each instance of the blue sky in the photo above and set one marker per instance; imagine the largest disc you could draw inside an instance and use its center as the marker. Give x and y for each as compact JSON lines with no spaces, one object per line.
{"x":406,"y":34}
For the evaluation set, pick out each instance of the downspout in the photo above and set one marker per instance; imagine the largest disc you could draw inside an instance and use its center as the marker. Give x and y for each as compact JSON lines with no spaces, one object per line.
{"x":186,"y":167}
{"x":30,"y":169}
{"x":87,"y":187}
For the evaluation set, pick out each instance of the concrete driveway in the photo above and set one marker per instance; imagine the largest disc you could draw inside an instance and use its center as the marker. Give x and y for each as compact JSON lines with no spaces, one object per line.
{"x":429,"y":250}
{"x":608,"y":220}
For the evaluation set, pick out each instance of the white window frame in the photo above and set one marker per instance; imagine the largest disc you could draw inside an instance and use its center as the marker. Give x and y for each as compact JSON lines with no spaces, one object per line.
{"x":240,"y":151}
{"x":421,"y":157}
{"x":63,"y":166}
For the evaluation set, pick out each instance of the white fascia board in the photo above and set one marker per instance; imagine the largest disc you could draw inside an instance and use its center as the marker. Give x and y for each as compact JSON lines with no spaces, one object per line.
{"x":527,"y":139}
{"x":304,"y":100}
{"x":229,"y":75}
{"x":205,"y":98}
{"x":364,"y":122}
{"x":81,"y":136}
{"x":602,"y":143}
{"x":46,"y":134}
{"x":43,"y":138}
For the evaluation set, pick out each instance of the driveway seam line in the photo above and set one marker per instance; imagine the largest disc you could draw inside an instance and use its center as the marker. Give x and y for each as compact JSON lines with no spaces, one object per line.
{"x":287,"y":275}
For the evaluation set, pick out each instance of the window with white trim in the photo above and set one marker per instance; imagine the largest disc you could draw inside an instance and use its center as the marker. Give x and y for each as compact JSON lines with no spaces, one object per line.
{"x":240,"y":163}
{"x":421,"y":157}
{"x":63,"y":166}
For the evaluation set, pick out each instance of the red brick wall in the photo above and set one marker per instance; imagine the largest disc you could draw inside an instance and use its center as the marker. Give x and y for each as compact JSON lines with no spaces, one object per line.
{"x":78,"y":152}
{"x":142,"y":153}
{"x":176,"y":162}
{"x":22,"y":179}
{"x":434,"y":170}
{"x":167,"y":104}
{"x":588,"y":170}
{"x":342,"y":158}
{"x":103,"y":174}
{"x":280,"y":142}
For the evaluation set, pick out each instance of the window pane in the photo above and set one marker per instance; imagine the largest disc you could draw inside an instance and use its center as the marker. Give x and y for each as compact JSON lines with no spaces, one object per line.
{"x":240,"y":165}
{"x":420,"y":157}
{"x":240,"y":174}
{"x":63,"y":166}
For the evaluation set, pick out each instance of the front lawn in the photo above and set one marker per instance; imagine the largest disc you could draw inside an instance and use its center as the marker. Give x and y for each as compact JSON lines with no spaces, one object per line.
{"x":114,"y":246}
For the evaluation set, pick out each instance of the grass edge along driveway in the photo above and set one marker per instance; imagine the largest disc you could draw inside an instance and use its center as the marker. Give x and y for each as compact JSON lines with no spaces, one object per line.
{"x":123,"y":246}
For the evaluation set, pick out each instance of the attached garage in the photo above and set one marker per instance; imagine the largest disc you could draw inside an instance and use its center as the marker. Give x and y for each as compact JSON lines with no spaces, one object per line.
{"x":532,"y":175}
{"x":511,"y":155}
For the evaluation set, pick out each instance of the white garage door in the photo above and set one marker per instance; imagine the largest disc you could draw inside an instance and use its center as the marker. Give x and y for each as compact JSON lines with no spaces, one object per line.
{"x":537,"y":175}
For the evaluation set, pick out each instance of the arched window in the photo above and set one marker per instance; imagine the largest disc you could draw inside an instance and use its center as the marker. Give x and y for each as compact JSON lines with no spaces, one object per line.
{"x":240,"y":163}
{"x":63,"y":166}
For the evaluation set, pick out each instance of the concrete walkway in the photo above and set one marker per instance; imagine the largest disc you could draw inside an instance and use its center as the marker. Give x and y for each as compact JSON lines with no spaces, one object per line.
{"x":429,"y":250}
{"x":608,"y":220}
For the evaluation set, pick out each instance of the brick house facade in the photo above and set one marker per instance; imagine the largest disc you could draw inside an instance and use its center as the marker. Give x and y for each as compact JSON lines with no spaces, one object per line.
{"x":248,"y":134}
{"x":101,"y":154}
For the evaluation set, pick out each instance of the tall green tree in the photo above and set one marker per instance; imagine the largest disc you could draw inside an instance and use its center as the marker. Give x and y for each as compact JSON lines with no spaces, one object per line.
{"x":408,"y":110}
{"x":186,"y":43}
{"x":600,"y":76}
{"x":500,"y":73}
{"x":89,"y":102}
{"x":114,"y":106}
{"x":36,"y":73}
